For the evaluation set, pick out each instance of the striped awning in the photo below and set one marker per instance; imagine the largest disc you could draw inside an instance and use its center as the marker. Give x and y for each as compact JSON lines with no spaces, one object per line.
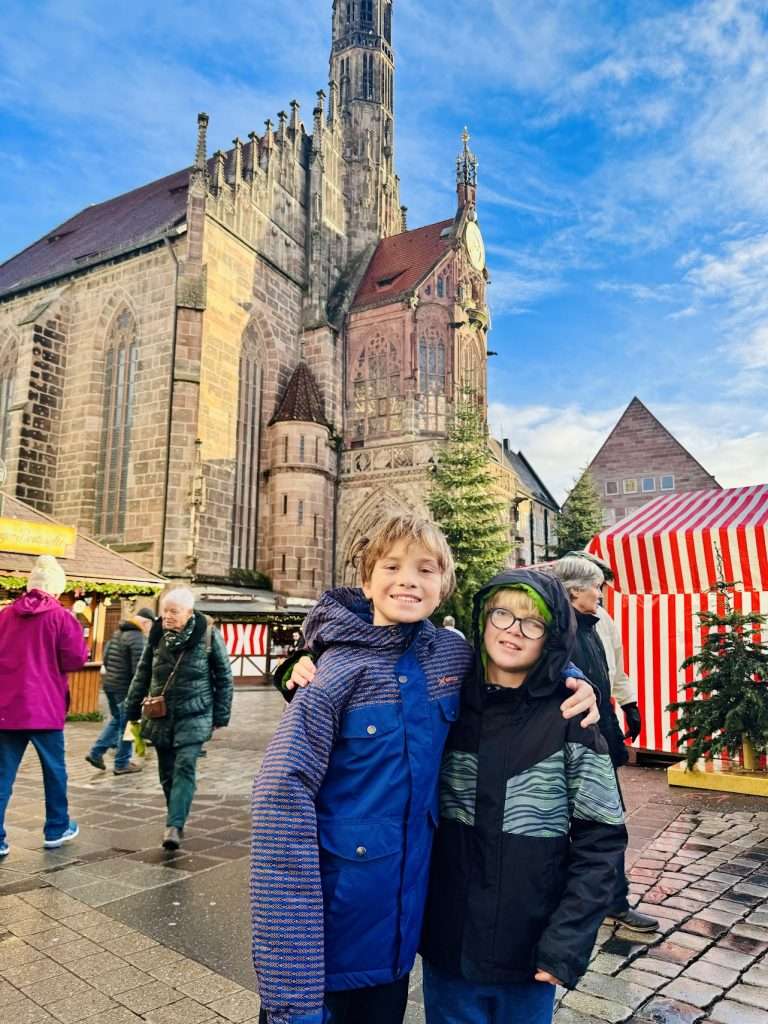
{"x":674,"y":544}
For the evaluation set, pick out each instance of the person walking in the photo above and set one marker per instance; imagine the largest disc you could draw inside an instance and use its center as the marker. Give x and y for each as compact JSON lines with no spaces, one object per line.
{"x":583,"y":580}
{"x":40,"y":641}
{"x":122,"y":654}
{"x":450,"y":623}
{"x":182,"y":691}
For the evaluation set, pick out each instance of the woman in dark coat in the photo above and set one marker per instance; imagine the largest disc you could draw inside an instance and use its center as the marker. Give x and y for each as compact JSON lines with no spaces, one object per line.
{"x":185,"y":661}
{"x":583,"y":580}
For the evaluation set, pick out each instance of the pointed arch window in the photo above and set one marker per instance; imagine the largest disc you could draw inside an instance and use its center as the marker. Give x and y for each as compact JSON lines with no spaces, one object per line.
{"x":377,"y":399}
{"x":431,"y":365}
{"x":368,"y":91}
{"x":246,"y":496}
{"x":120,"y":364}
{"x":388,"y":21}
{"x":7,"y":377}
{"x":366,"y":13}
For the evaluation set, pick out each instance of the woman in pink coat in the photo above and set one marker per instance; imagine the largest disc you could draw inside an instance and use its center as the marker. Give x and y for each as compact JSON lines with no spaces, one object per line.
{"x":39,"y":643}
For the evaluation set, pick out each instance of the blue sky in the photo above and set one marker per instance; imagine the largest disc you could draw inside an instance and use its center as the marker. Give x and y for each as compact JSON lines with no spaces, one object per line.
{"x":623,"y":178}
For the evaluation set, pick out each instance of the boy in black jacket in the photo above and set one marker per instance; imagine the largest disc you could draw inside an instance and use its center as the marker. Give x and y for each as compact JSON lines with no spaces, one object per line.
{"x":531,"y":828}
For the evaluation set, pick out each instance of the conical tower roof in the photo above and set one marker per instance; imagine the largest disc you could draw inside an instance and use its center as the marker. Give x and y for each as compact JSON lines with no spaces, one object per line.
{"x":302,"y":401}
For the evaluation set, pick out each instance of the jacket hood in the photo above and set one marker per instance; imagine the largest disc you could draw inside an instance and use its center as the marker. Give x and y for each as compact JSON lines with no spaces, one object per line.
{"x":547,"y":676}
{"x":35,"y":602}
{"x":344,"y":616}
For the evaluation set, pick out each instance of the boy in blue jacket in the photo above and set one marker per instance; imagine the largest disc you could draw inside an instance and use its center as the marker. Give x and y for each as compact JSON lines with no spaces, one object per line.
{"x":345,"y":804}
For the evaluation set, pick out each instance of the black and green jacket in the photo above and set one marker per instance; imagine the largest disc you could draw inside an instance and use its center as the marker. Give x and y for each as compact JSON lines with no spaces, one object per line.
{"x":200,"y":696}
{"x":531,"y":829}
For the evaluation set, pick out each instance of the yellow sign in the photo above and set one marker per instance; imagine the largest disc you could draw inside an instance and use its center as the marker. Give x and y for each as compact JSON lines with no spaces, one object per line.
{"x":30,"y":538}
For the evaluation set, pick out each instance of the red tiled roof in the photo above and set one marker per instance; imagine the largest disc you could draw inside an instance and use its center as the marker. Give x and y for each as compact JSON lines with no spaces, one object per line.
{"x":117,"y":225}
{"x":401,"y":261}
{"x":302,"y":400}
{"x":90,"y":560}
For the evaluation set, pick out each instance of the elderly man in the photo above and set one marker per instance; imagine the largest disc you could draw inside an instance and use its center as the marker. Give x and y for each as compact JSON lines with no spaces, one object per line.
{"x":186,"y":675}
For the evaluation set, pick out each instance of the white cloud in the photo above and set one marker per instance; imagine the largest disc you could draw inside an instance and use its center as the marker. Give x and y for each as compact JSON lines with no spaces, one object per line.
{"x":731,"y":442}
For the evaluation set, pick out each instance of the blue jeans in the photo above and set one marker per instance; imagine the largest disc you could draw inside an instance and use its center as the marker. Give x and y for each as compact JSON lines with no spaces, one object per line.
{"x":112,"y":733}
{"x":49,"y":744}
{"x":449,"y":1000}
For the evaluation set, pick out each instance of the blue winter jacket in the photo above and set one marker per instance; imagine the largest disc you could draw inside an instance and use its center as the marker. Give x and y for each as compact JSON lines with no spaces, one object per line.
{"x":345,"y":806}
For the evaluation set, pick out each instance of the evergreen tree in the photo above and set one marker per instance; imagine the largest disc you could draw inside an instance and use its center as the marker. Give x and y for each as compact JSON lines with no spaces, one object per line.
{"x":464,"y":502}
{"x":581,"y":517}
{"x":730,"y":697}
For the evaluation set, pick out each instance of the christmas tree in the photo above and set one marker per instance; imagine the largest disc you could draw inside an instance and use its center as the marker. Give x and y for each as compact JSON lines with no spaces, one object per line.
{"x":729,"y":707}
{"x":465,"y":503}
{"x":581,"y":517}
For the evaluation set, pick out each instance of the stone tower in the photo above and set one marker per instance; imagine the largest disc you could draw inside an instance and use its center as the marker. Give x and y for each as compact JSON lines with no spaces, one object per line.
{"x":302,"y":479}
{"x":362,"y":73}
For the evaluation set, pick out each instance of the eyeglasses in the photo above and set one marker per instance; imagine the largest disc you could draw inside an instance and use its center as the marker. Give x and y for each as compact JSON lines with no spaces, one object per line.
{"x":532,"y":629}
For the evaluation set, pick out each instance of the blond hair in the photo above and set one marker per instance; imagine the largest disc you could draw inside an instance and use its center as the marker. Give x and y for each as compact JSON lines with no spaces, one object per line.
{"x":415,"y":530}
{"x":516,"y":601}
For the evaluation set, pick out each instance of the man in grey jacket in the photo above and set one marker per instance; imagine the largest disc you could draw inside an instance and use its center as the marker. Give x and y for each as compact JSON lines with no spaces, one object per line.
{"x":122,"y":654}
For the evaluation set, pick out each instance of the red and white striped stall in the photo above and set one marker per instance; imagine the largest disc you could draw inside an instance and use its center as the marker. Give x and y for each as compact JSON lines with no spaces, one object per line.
{"x":666,"y":558}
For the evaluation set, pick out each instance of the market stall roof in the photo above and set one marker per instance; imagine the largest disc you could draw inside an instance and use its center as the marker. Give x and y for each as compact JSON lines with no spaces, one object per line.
{"x":89,"y":561}
{"x":673,"y":544}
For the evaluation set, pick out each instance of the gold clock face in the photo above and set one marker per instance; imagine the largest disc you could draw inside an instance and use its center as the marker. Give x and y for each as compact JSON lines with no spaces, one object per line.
{"x":475,"y":245}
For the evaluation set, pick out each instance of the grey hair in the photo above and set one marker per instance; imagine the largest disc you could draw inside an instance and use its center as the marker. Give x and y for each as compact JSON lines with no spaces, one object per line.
{"x":183,"y":596}
{"x":577,"y":573}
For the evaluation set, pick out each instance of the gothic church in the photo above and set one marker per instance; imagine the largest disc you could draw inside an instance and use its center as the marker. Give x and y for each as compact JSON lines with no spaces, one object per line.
{"x":235,"y":370}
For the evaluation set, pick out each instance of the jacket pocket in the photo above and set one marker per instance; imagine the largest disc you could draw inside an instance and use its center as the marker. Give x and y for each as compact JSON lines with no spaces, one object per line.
{"x":368,"y":723}
{"x":360,"y":868}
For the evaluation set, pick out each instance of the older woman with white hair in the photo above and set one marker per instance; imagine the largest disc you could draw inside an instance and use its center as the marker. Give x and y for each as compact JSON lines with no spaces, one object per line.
{"x":583,"y":580}
{"x":182,"y":690}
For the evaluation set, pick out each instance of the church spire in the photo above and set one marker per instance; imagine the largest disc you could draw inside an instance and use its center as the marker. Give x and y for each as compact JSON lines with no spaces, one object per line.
{"x":466,"y":173}
{"x":362,"y":73}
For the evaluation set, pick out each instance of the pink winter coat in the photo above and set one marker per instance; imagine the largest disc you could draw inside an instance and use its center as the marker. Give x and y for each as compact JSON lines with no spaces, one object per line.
{"x":39,"y":643}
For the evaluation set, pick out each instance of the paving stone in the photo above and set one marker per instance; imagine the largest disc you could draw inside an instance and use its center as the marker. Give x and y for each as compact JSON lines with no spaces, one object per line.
{"x":56,"y":936}
{"x":664,"y":910}
{"x":54,"y":903}
{"x":662,"y":1010}
{"x":661,"y":967}
{"x":9,"y":994}
{"x":688,"y":990}
{"x":27,"y":1012}
{"x":243,"y":1005}
{"x":744,"y":944}
{"x":72,"y":951}
{"x":155,"y":956}
{"x":607,"y":963}
{"x":761,"y":891}
{"x":673,"y":952}
{"x":565,"y":1015}
{"x":207,"y":989}
{"x":729,"y":907}
{"x":117,"y":1015}
{"x":179,"y":970}
{"x":752,"y":931}
{"x":28,"y":974}
{"x":690,"y":940}
{"x":701,"y":926}
{"x":752,"y":995}
{"x":120,"y":980}
{"x":645,"y":978}
{"x":681,"y":903}
{"x":730,"y":1012}
{"x":54,"y":989}
{"x":718,"y":917}
{"x":14,"y":952}
{"x":32,"y":924}
{"x":78,"y":1007}
{"x":92,"y":966}
{"x":618,"y":990}
{"x":730,"y":958}
{"x":186,"y":1011}
{"x":148,"y":997}
{"x":756,"y":975}
{"x":711,"y":973}
{"x":133,"y":943}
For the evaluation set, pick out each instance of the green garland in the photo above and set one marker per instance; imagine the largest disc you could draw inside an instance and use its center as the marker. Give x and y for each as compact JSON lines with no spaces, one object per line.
{"x":12,"y":584}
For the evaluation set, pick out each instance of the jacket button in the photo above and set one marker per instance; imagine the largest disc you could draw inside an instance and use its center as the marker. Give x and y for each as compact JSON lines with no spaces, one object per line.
{"x":361,"y":851}
{"x":402,"y":679}
{"x":371,"y":730}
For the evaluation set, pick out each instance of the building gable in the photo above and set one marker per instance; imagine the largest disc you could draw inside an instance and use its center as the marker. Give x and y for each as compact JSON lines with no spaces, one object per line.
{"x":640,"y":459}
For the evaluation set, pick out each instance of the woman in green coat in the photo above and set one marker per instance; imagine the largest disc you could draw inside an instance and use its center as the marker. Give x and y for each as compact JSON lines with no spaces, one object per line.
{"x":186,"y":663}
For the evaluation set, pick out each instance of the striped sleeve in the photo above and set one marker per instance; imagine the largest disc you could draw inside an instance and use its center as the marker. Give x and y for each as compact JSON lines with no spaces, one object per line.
{"x":286,"y":895}
{"x":598,"y":839}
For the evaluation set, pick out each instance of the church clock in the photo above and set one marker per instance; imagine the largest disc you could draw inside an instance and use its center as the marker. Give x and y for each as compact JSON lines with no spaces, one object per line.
{"x":475,"y":245}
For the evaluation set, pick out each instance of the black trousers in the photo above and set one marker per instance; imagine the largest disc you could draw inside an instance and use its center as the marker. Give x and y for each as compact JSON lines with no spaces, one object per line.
{"x":380,"y":1004}
{"x":620,"y":901}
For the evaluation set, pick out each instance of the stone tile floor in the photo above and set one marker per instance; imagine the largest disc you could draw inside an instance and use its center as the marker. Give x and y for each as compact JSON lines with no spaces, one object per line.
{"x":111,"y":929}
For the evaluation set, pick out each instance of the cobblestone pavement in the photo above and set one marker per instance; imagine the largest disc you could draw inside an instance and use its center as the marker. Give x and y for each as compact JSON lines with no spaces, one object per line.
{"x":111,"y":929}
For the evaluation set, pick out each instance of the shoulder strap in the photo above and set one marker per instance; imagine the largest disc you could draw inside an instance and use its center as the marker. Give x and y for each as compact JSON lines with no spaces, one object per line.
{"x":173,"y":672}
